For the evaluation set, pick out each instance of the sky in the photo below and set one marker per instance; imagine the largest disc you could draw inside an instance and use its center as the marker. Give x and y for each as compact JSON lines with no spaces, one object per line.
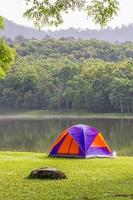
{"x":14,"y":9}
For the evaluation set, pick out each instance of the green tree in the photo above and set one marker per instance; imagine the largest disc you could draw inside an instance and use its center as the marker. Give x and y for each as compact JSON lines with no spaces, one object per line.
{"x":121,"y":93}
{"x":97,"y":76}
{"x":47,"y":12}
{"x":1,"y":22}
{"x":7,"y":54}
{"x":60,"y":77}
{"x":76,"y":92}
{"x":20,"y":87}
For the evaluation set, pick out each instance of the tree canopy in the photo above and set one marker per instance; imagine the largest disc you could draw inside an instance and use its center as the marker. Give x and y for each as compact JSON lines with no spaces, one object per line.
{"x":67,"y":74}
{"x":49,"y":12}
{"x":1,"y":22}
{"x":7,"y":54}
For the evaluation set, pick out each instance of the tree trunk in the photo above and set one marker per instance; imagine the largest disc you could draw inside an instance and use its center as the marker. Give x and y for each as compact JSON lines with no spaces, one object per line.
{"x":59,"y":104}
{"x":128,"y":108}
{"x":67,"y":105}
{"x":121,"y":106}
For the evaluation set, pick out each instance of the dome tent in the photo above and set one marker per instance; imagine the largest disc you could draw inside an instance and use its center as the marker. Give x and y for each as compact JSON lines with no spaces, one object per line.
{"x":81,"y":141}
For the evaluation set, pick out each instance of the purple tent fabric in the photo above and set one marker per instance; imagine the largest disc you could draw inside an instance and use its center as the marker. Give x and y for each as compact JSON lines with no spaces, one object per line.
{"x":84,"y":135}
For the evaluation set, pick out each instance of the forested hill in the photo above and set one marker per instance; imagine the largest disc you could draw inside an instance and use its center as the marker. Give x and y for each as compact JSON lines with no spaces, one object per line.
{"x":123,"y":34}
{"x":75,"y":50}
{"x":66,"y":74}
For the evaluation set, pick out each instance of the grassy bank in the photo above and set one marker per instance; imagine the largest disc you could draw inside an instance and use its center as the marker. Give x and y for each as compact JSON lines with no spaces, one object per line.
{"x":95,"y":179}
{"x":43,"y":114}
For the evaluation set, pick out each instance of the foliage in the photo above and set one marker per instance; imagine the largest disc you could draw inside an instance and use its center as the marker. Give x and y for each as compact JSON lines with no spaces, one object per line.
{"x":102,"y":11}
{"x":1,"y":22}
{"x":92,"y":76}
{"x":6,"y":57}
{"x":75,"y":50}
{"x":6,"y":54}
{"x":46,"y":12}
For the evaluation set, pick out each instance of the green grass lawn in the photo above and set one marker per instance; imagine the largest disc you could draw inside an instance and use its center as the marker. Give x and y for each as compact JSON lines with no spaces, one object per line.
{"x":96,"y":179}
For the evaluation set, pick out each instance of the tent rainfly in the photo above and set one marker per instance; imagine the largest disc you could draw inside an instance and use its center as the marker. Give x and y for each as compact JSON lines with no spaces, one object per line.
{"x":81,"y":141}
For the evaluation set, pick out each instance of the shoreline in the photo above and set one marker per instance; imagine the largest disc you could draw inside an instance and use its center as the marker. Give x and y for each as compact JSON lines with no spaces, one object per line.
{"x":41,"y":116}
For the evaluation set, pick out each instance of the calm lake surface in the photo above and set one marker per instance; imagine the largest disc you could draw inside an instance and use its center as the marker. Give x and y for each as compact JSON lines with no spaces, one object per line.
{"x":38,"y":135}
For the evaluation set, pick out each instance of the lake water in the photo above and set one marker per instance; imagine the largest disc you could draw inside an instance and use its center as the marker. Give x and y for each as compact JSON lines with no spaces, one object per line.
{"x":38,"y":135}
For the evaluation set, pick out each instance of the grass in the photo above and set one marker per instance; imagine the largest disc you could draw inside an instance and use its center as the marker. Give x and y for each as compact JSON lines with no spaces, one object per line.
{"x":45,"y":114}
{"x":73,"y":113}
{"x":91,"y":179}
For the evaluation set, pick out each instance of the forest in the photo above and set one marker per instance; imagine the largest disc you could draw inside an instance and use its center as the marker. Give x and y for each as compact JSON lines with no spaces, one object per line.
{"x":69,"y":74}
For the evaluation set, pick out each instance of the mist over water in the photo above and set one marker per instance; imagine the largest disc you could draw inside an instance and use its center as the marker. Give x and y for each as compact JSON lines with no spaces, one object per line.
{"x":39,"y":134}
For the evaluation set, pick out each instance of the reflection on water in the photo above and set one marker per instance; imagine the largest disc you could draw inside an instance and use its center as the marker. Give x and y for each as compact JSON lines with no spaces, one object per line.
{"x":38,"y":135}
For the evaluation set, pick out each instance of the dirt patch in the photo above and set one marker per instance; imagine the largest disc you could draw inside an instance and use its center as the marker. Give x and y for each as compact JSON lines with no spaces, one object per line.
{"x":85,"y":198}
{"x":123,"y":195}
